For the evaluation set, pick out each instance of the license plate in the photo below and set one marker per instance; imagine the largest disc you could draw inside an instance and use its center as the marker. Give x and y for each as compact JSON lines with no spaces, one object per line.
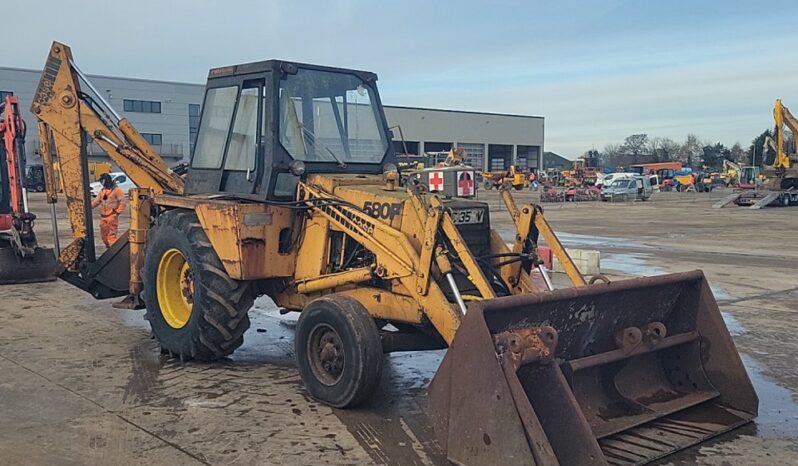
{"x":468,"y":216}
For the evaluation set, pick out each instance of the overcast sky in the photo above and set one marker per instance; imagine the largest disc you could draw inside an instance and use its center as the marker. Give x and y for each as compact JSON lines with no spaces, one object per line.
{"x":597,"y":70}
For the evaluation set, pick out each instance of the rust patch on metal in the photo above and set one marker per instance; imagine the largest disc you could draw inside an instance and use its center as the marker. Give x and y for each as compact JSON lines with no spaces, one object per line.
{"x":526,"y":345}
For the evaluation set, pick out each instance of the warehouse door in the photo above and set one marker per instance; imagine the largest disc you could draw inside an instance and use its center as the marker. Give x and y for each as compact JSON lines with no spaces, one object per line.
{"x":474,"y":154}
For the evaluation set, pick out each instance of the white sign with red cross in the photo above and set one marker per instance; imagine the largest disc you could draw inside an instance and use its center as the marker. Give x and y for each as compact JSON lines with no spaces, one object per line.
{"x":465,"y":183}
{"x":435,"y":181}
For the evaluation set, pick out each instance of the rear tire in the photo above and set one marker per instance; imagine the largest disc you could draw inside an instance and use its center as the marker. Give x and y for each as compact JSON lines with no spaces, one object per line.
{"x":204,"y":314}
{"x":338,"y":351}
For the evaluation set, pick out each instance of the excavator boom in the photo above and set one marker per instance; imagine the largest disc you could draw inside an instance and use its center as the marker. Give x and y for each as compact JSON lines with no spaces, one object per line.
{"x":783,"y":116}
{"x":21,"y":258}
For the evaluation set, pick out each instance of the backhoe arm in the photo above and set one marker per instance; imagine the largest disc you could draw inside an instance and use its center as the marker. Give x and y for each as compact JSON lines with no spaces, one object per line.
{"x":67,"y":112}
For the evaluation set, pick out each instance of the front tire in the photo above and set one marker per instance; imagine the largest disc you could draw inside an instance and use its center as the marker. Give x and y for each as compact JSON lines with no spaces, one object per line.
{"x":195,"y":309}
{"x":338,"y":351}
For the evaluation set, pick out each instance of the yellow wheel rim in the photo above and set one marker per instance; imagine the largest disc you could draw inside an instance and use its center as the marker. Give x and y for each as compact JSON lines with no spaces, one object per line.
{"x":175,"y":287}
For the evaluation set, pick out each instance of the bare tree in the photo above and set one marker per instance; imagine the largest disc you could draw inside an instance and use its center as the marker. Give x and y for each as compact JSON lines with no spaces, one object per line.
{"x":692,"y":151}
{"x":664,"y":149}
{"x":738,"y":155}
{"x":611,"y":152}
{"x":635,"y":144}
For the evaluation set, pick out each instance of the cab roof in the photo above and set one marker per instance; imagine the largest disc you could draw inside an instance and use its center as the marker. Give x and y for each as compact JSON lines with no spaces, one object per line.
{"x":287,"y":67}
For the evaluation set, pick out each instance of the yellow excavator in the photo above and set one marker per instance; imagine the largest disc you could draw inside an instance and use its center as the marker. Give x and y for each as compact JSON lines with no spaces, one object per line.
{"x":779,"y":180}
{"x":783,"y":174}
{"x":292,"y":192}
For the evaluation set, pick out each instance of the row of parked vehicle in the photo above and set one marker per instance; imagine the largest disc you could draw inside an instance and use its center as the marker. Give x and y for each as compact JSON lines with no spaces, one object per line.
{"x":626,"y":187}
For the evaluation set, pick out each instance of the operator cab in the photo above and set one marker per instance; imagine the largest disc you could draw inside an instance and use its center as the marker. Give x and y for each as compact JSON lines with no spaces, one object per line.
{"x":265,"y":125}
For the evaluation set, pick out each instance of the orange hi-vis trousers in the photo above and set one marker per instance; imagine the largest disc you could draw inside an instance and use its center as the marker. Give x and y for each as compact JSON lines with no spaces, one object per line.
{"x":111,"y":203}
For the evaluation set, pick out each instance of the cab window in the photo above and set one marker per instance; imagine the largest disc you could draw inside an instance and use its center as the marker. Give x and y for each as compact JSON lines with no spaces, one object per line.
{"x":243,"y":145}
{"x":217,"y":112}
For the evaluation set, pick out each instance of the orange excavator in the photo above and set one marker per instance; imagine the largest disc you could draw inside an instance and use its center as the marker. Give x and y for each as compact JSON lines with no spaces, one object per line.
{"x":21,"y":258}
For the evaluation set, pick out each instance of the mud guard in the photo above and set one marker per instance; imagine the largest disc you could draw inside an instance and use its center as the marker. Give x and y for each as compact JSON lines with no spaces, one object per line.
{"x":621,"y":373}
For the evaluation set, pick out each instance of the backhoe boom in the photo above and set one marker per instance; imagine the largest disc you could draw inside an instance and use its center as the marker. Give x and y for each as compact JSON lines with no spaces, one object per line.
{"x":68,"y":115}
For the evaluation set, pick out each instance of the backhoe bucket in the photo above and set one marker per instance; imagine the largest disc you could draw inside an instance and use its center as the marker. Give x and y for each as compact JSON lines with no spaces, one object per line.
{"x":40,"y":267}
{"x":621,"y":373}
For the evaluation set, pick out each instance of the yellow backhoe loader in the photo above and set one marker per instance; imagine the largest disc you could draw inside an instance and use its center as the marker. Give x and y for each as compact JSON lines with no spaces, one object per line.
{"x":293,"y":192}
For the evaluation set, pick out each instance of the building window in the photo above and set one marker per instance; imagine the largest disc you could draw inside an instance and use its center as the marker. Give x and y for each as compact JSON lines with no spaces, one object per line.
{"x":412,"y":147}
{"x":154,"y":139}
{"x":193,"y":124}
{"x":142,"y":106}
{"x":3,"y":95}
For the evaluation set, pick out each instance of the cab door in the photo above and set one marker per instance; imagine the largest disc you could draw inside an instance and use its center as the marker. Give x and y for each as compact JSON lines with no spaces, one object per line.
{"x":244,"y":148}
{"x":230,"y":150}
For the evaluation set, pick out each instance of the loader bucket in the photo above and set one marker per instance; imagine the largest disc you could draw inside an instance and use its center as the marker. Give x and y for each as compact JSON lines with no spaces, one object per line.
{"x":621,"y":373}
{"x":40,"y":267}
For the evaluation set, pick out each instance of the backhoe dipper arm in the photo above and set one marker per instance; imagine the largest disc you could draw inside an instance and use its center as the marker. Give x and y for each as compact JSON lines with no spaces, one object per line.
{"x":65,"y":110}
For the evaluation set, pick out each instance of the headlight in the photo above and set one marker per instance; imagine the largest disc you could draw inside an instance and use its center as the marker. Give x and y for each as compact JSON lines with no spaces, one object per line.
{"x":389,"y":167}
{"x":297,"y":167}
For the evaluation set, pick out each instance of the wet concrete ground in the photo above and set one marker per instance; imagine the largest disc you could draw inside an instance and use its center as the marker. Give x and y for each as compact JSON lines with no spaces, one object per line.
{"x":83,"y":383}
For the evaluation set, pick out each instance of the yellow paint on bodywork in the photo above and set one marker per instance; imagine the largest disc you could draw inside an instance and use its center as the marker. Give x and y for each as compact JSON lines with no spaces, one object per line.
{"x":246,"y":237}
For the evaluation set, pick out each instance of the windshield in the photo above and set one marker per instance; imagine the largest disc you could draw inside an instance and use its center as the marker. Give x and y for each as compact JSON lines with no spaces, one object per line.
{"x":619,"y":184}
{"x":330,"y":117}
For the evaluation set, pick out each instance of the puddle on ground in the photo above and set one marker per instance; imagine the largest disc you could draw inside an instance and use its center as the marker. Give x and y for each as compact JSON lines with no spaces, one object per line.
{"x":735,"y":326}
{"x":721,"y":294}
{"x":778,"y":411}
{"x":270,"y":338}
{"x":135,"y":319}
{"x":636,"y":264}
{"x":592,"y":240}
{"x":574,"y":239}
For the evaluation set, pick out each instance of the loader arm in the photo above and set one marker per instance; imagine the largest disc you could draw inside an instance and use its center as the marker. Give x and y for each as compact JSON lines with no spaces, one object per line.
{"x":67,"y":114}
{"x":397,"y":259}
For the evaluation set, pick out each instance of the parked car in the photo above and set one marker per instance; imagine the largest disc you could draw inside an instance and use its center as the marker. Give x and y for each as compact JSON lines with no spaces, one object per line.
{"x":34,"y":179}
{"x":122,"y":181}
{"x":610,"y":177}
{"x":634,"y":187}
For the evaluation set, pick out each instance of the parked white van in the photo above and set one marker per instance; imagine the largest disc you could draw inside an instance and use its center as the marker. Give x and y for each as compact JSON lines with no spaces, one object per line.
{"x":610,"y":177}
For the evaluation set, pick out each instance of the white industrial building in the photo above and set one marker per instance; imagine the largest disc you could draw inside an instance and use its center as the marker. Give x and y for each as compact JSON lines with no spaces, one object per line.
{"x":167,"y":114}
